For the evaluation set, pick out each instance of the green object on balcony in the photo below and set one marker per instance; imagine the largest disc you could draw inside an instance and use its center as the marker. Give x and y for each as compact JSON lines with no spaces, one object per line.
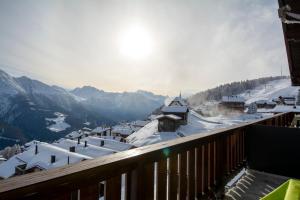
{"x":290,"y":190}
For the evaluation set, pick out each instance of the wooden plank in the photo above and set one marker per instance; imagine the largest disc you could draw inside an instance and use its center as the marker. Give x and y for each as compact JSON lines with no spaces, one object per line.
{"x":199,"y":171}
{"x":228,"y":169}
{"x":113,"y":188}
{"x":148,"y":181}
{"x":161,"y":180}
{"x":127,"y":189}
{"x":191,"y":174}
{"x":173,"y":177}
{"x":59,"y":196}
{"x":183,"y":176}
{"x":205,"y":168}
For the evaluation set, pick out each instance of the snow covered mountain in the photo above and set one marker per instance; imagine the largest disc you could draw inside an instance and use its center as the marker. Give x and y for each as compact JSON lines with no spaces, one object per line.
{"x":31,"y":109}
{"x":122,"y":106}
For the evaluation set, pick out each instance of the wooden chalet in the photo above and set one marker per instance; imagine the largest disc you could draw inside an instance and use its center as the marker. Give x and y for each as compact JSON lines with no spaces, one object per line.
{"x":168,"y":123}
{"x":177,"y":107}
{"x":233,"y":102}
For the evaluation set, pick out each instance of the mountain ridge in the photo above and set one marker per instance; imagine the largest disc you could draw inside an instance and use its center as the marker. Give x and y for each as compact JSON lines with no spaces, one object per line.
{"x":26,"y":103}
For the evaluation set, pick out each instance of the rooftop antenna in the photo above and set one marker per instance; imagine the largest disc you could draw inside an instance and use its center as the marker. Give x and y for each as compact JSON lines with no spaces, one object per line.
{"x":281,"y":71}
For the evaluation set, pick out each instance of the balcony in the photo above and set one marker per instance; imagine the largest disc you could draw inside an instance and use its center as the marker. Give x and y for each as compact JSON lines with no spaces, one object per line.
{"x":198,"y":166}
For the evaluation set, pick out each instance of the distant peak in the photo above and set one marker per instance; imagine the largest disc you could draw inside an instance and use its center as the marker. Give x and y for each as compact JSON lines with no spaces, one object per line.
{"x":88,"y":88}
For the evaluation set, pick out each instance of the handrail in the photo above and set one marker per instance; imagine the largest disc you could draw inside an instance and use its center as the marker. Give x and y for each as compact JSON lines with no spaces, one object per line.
{"x":90,"y":172}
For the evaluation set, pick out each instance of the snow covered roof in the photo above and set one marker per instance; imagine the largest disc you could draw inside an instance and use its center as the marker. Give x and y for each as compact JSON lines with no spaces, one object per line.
{"x":265,"y":102}
{"x":42,"y":159}
{"x":86,"y":129}
{"x":281,"y":108}
{"x":100,"y":129}
{"x":179,"y":100}
{"x":170,"y":116}
{"x":91,"y":150}
{"x":149,"y":135}
{"x":140,"y":123}
{"x":109,"y":144}
{"x":174,"y":109}
{"x":74,"y":134}
{"x":233,"y":98}
{"x":123,"y":129}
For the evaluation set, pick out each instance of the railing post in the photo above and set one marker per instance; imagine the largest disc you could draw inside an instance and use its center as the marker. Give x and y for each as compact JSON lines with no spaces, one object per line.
{"x":191,"y":174}
{"x":90,"y":192}
{"x":113,"y":188}
{"x":142,"y":182}
{"x":183,"y":175}
{"x":199,"y":171}
{"x":173,"y":177}
{"x":161,"y":181}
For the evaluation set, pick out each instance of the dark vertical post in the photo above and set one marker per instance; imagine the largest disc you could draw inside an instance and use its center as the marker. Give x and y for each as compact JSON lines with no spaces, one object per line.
{"x":183,"y":176}
{"x":191,"y":174}
{"x":173,"y":176}
{"x":161,"y":186}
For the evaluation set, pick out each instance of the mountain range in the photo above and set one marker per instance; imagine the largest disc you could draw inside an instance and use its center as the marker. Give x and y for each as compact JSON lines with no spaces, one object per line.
{"x":27,"y":104}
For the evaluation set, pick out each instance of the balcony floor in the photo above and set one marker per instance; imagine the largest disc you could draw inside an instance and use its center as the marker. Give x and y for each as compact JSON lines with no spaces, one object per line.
{"x":253,"y":185}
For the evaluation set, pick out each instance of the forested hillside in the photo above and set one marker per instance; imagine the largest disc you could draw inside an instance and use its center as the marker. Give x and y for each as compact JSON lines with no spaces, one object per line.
{"x":234,"y":88}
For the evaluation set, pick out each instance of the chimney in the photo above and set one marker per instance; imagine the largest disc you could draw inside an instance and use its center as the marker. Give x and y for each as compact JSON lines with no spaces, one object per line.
{"x":78,"y":140}
{"x":36,"y":149}
{"x":52,"y":159}
{"x":102,"y":143}
{"x":85,"y":143}
{"x":72,"y":149}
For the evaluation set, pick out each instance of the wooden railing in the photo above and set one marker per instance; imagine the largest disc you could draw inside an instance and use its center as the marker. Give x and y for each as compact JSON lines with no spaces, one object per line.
{"x":183,"y":168}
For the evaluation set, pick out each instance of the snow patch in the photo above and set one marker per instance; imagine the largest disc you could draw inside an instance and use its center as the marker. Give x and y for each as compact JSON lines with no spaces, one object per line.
{"x":59,"y":123}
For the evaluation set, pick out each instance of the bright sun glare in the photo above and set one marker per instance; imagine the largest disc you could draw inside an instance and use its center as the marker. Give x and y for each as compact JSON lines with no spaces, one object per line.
{"x":136,"y":43}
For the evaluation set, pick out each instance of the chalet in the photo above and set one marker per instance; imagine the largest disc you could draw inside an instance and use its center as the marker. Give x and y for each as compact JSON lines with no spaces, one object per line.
{"x":168,"y":122}
{"x":285,"y":100}
{"x":289,"y":100}
{"x":101,"y":131}
{"x":74,"y":135}
{"x":252,"y":108}
{"x":265,"y":104}
{"x":121,"y":130}
{"x":2,"y":159}
{"x":177,"y":107}
{"x":233,"y":102}
{"x":177,"y":101}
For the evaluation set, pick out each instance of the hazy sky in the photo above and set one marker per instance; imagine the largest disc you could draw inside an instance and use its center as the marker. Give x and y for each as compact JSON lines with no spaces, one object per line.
{"x":173,"y":45}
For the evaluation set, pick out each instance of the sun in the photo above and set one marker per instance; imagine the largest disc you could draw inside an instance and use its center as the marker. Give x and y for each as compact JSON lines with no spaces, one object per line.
{"x":136,"y":43}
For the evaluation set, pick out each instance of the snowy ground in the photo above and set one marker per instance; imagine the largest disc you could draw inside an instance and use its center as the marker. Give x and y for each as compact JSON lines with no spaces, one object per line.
{"x":271,"y":90}
{"x":59,"y":123}
{"x":197,"y":124}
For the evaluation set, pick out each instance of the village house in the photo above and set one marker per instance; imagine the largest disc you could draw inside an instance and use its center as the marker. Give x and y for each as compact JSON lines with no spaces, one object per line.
{"x":101,"y":131}
{"x":168,"y":123}
{"x":177,"y":107}
{"x":265,"y":104}
{"x":233,"y":102}
{"x":121,"y":130}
